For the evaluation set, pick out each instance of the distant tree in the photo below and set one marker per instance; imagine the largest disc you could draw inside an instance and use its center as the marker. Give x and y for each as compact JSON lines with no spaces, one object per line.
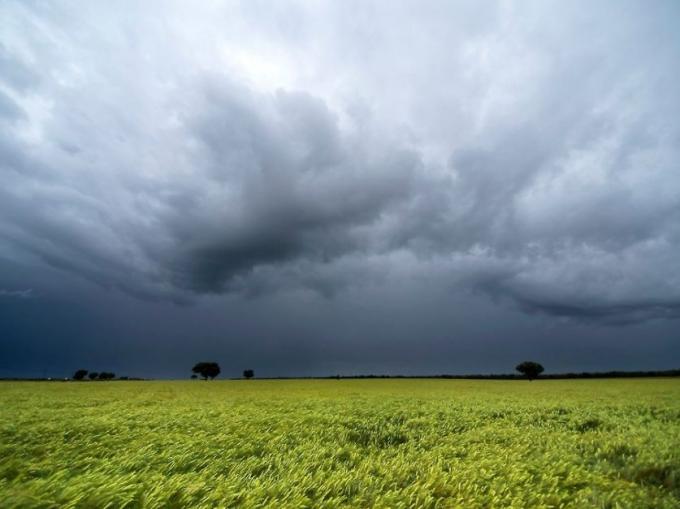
{"x":80,"y":374}
{"x":194,"y":377}
{"x":93,"y":375}
{"x":248,"y":373}
{"x":105,"y":375}
{"x":207,"y":369}
{"x":530,"y":369}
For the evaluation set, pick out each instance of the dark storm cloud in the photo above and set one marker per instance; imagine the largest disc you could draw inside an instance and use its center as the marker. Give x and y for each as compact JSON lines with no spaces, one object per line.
{"x":530,"y":153}
{"x":286,"y":185}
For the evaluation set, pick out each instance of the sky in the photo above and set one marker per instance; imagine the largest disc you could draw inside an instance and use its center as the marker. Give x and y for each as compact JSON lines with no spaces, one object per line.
{"x":320,"y":188}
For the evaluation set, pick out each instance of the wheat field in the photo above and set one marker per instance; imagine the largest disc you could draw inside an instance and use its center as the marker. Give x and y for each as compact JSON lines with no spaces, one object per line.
{"x":341,"y":443}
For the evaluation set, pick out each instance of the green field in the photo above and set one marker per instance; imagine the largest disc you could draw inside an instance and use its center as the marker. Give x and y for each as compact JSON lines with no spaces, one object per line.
{"x":341,"y":443}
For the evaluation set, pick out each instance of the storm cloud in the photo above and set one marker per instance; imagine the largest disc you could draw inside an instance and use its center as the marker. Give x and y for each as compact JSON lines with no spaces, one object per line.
{"x":526,"y":152}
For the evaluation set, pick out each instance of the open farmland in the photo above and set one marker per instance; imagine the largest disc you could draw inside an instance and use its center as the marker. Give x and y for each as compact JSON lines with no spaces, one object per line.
{"x":341,"y":443}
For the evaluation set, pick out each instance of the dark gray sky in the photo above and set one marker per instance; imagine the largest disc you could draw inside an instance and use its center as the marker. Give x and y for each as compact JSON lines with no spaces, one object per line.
{"x":339,"y":187}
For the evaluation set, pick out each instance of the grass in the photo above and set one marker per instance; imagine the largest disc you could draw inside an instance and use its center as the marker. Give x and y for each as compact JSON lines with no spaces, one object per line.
{"x":346,"y":443}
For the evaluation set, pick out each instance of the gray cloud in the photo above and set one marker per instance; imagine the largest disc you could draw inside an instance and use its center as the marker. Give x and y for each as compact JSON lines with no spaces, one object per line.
{"x":18,"y":294}
{"x":528,"y":151}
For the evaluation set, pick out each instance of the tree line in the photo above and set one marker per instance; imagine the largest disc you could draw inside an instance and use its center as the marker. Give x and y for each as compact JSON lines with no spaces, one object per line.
{"x":210,"y":370}
{"x":93,"y":375}
{"x":527,"y":369}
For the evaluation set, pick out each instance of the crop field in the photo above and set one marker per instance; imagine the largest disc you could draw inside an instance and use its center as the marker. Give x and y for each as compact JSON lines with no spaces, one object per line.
{"x":341,"y":443}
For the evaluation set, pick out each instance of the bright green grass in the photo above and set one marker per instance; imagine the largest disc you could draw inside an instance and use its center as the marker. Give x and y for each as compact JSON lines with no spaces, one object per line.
{"x":348,"y":443}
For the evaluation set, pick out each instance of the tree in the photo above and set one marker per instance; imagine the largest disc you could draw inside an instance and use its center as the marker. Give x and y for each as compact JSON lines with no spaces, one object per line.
{"x":207,"y":370}
{"x":248,"y":373}
{"x":194,"y":377}
{"x":93,"y":375}
{"x":105,"y":375}
{"x":80,"y":374}
{"x":530,"y":369}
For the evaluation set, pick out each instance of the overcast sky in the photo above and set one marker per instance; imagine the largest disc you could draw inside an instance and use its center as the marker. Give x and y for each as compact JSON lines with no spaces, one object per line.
{"x":344,"y":187}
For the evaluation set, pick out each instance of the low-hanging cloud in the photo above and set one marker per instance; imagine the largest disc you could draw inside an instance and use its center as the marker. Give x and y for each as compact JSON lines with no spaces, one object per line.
{"x":535,"y":162}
